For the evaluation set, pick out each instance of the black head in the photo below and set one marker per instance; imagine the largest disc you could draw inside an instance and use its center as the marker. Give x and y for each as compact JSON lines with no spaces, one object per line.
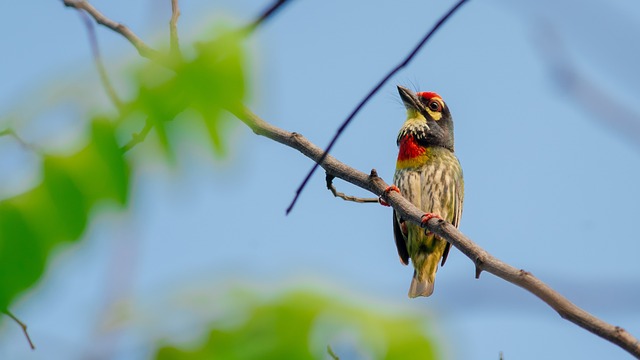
{"x":428,"y":118}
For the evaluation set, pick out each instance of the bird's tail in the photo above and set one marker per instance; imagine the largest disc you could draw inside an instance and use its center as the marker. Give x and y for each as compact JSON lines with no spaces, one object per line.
{"x":421,"y":287}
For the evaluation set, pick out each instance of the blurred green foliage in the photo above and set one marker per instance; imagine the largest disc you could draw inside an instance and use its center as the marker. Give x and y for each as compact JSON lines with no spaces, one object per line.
{"x":209,"y":83}
{"x":32,"y":223}
{"x":302,"y":325}
{"x":57,"y":210}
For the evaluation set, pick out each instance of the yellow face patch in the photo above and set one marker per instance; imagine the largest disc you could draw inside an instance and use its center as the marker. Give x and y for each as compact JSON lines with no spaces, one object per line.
{"x":435,"y":114}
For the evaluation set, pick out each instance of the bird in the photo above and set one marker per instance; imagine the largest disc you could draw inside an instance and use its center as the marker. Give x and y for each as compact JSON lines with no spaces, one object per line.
{"x":428,"y":174}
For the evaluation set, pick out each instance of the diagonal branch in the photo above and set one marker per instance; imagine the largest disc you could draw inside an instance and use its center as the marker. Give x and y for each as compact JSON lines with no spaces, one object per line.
{"x":372,"y":92}
{"x":482,"y":259}
{"x":143,"y":49}
{"x":266,"y":14}
{"x":10,"y":132}
{"x":102,"y":71}
{"x":139,"y":137}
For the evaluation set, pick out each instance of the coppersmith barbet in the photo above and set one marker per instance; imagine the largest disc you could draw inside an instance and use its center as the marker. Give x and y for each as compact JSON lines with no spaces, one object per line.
{"x":428,"y":174}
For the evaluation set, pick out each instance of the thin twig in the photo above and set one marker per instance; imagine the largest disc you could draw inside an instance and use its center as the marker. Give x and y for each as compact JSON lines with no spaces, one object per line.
{"x":139,"y":137}
{"x":266,"y":14}
{"x":23,"y":326}
{"x":20,"y":140}
{"x":345,"y":197}
{"x":12,"y":133}
{"x":482,"y":259}
{"x":372,"y":92}
{"x":331,"y":353}
{"x":143,"y":49}
{"x":95,"y":50}
{"x":173,"y":29}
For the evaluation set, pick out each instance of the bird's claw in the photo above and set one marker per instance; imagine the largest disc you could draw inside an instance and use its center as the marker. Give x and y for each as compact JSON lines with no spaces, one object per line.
{"x":386,"y":191}
{"x":425,"y":219}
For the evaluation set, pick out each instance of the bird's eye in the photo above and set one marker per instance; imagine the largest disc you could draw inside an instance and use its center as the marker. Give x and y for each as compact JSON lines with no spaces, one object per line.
{"x":435,"y":106}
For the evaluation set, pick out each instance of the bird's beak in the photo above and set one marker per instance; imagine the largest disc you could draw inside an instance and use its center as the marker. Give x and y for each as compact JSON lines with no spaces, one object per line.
{"x":409,"y":98}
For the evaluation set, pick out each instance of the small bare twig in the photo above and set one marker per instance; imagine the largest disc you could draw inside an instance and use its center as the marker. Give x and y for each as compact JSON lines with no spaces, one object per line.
{"x":173,"y":29}
{"x":266,"y":14}
{"x":21,"y":141}
{"x":331,"y":353}
{"x":95,"y":50}
{"x":12,"y":133}
{"x":345,"y":197}
{"x":143,"y":49}
{"x":22,"y":325}
{"x":139,"y":137}
{"x":372,"y":92}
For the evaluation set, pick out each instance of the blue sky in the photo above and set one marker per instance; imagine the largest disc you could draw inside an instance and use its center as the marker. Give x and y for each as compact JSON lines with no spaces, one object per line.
{"x":551,"y":185}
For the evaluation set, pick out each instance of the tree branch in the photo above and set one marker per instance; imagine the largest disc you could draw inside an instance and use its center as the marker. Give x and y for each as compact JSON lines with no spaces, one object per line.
{"x":173,"y":29}
{"x":16,"y":137}
{"x":266,"y":14}
{"x":102,"y":71}
{"x":331,"y":353}
{"x":345,"y":197}
{"x":372,"y":92}
{"x":143,"y":49}
{"x":139,"y":137}
{"x":482,"y":259}
{"x":22,"y":325}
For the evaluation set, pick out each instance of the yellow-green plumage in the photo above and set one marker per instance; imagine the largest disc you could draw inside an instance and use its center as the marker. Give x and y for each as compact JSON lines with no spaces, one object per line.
{"x":429,"y":175}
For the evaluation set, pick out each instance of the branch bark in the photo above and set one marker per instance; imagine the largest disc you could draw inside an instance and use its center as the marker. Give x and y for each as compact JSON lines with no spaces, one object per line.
{"x":143,"y":49}
{"x":173,"y":29}
{"x":374,"y":184}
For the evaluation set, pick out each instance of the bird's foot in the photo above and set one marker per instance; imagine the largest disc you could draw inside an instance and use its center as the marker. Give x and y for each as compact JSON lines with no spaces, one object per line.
{"x":426,"y":217}
{"x":387,"y":191}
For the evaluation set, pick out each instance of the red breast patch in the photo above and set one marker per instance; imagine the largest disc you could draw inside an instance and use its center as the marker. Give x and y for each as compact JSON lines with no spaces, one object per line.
{"x":409,"y":148}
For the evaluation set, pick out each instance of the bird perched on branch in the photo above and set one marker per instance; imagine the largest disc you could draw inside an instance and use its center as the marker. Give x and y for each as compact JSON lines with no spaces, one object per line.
{"x":428,"y":174}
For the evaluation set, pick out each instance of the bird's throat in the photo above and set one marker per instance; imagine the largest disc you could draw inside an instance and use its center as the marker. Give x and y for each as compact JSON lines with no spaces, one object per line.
{"x":411,"y":153}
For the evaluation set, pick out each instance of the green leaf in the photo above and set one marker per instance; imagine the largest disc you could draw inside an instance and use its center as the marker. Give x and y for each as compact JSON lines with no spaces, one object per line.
{"x":21,"y":254}
{"x":210,"y":82}
{"x":301,"y":325}
{"x":58,"y":209}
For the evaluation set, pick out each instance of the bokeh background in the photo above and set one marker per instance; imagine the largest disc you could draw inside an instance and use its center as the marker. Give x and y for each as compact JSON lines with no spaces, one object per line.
{"x":545,"y":101}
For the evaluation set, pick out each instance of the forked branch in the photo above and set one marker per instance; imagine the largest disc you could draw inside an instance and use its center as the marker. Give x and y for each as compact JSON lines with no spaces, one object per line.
{"x":344,"y":196}
{"x":22,"y":325}
{"x":143,"y":49}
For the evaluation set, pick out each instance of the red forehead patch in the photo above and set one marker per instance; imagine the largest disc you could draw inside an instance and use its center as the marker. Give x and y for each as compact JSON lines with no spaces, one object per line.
{"x":428,"y":95}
